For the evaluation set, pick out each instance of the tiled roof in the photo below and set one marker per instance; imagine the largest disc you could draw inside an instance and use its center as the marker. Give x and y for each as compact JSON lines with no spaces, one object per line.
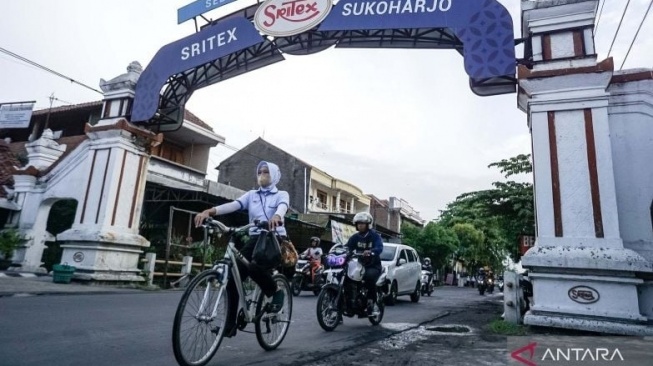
{"x":71,"y":142}
{"x":188,"y":115}
{"x":66,"y":108}
{"x":7,"y":162}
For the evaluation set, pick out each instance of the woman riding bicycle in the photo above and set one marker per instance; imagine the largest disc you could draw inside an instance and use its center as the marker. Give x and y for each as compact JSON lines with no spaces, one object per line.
{"x":267,"y":203}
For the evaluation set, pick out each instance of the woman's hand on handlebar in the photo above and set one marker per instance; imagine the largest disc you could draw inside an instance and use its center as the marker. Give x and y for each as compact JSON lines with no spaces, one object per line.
{"x":202,"y":216}
{"x":274,"y":222}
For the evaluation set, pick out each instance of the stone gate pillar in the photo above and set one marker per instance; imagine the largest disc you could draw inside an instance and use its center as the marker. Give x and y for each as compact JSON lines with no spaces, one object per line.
{"x":31,"y":219}
{"x":103,"y":243}
{"x":583,"y":277}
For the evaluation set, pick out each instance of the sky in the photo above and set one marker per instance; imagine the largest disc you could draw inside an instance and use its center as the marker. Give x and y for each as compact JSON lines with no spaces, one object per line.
{"x":399,"y":123}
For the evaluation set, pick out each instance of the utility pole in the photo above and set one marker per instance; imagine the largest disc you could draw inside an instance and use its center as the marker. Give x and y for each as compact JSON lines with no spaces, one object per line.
{"x":47,"y":117}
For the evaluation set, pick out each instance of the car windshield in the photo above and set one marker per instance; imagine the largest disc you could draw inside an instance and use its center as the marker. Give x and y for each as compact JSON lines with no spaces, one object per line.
{"x":388,"y":253}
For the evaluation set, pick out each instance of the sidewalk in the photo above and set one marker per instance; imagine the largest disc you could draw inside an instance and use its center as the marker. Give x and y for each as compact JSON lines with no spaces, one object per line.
{"x":25,"y":284}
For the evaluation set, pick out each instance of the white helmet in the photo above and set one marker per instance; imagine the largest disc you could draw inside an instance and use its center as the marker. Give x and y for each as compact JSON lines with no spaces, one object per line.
{"x":363,"y":217}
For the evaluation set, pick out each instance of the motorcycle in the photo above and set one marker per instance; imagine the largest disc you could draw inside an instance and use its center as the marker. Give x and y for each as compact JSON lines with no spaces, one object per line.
{"x":427,"y":283}
{"x":347,"y":295}
{"x":527,"y":290}
{"x":486,"y":284}
{"x":302,"y":281}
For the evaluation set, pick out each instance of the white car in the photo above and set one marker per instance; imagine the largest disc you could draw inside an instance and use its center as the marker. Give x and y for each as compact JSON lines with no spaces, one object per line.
{"x":404,"y":271}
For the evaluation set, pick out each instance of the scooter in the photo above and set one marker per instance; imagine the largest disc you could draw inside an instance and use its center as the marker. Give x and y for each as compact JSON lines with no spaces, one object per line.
{"x":427,"y":283}
{"x":486,"y":284}
{"x":302,"y":281}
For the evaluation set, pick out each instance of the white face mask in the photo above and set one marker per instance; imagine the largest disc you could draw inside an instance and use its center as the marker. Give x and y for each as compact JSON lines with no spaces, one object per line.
{"x":264,"y":180}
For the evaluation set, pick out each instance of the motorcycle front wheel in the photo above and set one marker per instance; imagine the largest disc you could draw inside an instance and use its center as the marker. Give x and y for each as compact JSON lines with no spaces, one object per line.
{"x":296,"y":285}
{"x":327,"y":310}
{"x":380,"y":306}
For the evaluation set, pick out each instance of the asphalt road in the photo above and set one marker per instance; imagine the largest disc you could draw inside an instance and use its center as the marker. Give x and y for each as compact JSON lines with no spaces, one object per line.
{"x":135,"y":329}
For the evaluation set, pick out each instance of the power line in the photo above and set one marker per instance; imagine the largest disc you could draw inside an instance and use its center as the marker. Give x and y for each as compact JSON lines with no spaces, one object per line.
{"x":618,"y":27}
{"x":636,"y":34}
{"x":60,"y":100}
{"x":596,"y":28}
{"x":47,"y":69}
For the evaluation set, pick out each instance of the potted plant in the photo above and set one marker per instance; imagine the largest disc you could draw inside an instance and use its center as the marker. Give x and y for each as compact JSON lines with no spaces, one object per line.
{"x":9,"y":242}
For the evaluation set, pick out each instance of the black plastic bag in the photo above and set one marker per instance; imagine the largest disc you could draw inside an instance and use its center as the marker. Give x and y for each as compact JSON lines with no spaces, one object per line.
{"x":267,"y":253}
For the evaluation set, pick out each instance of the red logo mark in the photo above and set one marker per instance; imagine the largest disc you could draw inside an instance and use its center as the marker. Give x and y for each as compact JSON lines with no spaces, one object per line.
{"x":292,"y":11}
{"x":516,"y":354}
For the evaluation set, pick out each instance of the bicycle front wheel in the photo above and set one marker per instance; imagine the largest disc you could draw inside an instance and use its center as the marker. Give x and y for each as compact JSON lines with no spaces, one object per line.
{"x":271,"y":328}
{"x":200,"y":320}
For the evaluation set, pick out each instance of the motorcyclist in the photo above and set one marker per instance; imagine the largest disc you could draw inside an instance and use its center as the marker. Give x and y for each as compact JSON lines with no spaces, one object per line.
{"x":480,"y":277}
{"x":314,"y":255}
{"x":426,"y":266}
{"x":368,"y":242}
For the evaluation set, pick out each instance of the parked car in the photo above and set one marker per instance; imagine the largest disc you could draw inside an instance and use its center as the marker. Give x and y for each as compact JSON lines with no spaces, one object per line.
{"x":404,"y":271}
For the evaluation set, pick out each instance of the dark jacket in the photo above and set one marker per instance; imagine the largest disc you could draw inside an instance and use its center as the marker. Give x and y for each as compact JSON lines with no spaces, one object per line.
{"x":369,"y":241}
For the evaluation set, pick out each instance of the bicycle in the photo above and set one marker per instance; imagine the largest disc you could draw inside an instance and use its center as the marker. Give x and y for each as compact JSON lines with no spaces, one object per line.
{"x":204,"y":305}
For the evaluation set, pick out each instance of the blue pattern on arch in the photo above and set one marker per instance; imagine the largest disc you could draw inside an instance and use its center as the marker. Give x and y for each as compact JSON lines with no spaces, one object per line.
{"x":484,"y":26}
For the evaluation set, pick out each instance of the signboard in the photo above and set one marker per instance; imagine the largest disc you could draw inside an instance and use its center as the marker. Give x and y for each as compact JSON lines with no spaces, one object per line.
{"x":282,"y":18}
{"x":340,"y":233}
{"x":16,"y":115}
{"x":198,"y":7}
{"x":526,"y":242}
{"x":211,"y":43}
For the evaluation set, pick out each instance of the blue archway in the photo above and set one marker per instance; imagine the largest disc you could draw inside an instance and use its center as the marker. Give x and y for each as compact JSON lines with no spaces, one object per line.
{"x":481,"y":30}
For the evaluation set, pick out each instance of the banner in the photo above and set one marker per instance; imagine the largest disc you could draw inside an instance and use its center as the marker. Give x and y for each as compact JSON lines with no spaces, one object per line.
{"x":340,"y":233}
{"x":16,"y":115}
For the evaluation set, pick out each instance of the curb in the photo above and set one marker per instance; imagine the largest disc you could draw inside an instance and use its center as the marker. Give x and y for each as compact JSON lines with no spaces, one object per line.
{"x":22,"y":274}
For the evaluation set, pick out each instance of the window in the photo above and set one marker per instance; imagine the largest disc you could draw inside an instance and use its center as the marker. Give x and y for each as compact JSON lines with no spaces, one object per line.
{"x":345,"y":206}
{"x":388,"y":253}
{"x":403,"y":255}
{"x":170,"y":152}
{"x":321,"y":200}
{"x":412,"y":257}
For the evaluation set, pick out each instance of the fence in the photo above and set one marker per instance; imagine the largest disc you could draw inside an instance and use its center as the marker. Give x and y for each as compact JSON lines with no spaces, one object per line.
{"x":149,"y":267}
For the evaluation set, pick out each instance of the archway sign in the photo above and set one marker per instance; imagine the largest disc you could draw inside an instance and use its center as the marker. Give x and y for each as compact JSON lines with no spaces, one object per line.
{"x":259,"y":35}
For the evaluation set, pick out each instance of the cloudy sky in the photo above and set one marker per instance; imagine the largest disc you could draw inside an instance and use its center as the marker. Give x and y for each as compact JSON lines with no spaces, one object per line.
{"x":400,"y":123}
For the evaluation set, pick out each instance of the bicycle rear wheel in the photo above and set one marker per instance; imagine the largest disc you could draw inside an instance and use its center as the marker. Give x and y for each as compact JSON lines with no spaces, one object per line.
{"x":271,"y":328}
{"x":197,"y":332}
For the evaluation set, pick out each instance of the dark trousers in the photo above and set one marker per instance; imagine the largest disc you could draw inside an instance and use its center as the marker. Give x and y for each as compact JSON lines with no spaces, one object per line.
{"x":263,"y":277}
{"x":369,"y":279}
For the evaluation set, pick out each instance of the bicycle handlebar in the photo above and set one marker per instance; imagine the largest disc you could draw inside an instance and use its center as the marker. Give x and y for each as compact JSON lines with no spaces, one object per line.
{"x":209,"y":222}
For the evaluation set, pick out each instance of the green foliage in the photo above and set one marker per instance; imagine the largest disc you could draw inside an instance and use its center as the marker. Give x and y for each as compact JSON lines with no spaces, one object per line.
{"x":501,"y":214}
{"x":434,"y":241}
{"x":503,"y":327}
{"x":9,"y":242}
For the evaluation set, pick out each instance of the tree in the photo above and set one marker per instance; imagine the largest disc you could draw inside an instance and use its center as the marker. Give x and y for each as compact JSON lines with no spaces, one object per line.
{"x":501,"y":213}
{"x":434,"y":241}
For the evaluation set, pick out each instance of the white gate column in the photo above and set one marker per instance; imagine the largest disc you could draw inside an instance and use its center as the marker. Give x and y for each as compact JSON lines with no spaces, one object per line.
{"x":583,"y":277}
{"x":103,"y":243}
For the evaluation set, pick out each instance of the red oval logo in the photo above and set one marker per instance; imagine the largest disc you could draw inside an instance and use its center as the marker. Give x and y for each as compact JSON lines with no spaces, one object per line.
{"x":282,"y":18}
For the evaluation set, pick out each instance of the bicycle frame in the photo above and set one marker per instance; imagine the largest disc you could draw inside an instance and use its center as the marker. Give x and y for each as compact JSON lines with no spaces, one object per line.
{"x":228,"y":262}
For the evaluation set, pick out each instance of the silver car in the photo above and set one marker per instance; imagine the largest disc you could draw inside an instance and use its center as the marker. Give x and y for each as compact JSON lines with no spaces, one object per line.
{"x":404,"y":271}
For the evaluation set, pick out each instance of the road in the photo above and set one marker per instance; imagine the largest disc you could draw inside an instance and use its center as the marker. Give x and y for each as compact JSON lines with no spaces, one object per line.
{"x":135,"y":329}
